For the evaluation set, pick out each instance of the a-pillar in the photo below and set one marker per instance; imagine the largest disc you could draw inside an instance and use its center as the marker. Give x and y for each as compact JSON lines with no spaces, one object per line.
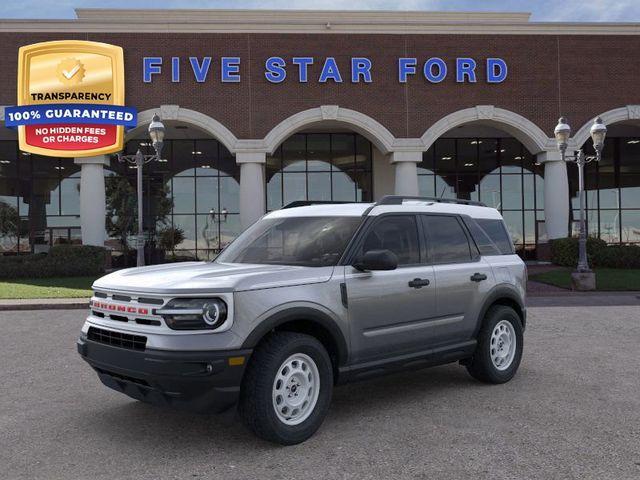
{"x":92,"y":199}
{"x":252,"y":186}
{"x":406,"y":172}
{"x":556,"y":194}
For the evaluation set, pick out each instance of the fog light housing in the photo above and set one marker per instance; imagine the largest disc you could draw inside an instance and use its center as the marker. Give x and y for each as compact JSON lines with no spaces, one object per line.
{"x":194,"y":313}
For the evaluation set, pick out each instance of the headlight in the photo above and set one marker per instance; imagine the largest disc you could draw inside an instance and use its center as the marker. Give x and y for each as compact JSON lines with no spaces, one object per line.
{"x":194,"y":313}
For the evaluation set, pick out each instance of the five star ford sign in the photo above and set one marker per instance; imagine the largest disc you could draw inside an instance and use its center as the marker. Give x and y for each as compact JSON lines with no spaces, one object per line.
{"x":70,"y":99}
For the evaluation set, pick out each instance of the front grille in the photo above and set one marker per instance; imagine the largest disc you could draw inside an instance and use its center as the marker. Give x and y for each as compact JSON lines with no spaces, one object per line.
{"x":121,"y":298}
{"x":117,"y":339}
{"x":150,"y":301}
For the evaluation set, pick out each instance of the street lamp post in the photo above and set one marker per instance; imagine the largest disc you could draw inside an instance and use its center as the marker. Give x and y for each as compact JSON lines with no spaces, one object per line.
{"x":156,"y":133}
{"x":562,"y":133}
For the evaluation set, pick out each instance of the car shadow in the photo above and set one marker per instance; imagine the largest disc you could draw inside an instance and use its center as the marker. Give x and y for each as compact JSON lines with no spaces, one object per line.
{"x":133,"y":422}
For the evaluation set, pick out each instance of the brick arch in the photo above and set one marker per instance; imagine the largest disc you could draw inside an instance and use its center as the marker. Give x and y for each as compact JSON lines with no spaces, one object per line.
{"x":374,"y":131}
{"x":192,"y":117}
{"x":616,"y":115}
{"x":527,"y":132}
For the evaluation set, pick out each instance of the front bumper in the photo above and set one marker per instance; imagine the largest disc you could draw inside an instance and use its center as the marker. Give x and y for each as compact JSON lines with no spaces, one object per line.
{"x":201,"y":381}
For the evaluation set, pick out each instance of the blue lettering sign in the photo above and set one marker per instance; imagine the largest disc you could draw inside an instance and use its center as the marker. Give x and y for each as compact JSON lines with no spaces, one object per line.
{"x":360,"y":67}
{"x":151,"y":66}
{"x":200,"y":71}
{"x":230,"y":69}
{"x":406,"y":66}
{"x":303,"y":65}
{"x":275,"y":69}
{"x":465,"y":67}
{"x":175,"y":69}
{"x":428,"y":70}
{"x":496,"y":70}
{"x":434,"y":69}
{"x":330,"y":71}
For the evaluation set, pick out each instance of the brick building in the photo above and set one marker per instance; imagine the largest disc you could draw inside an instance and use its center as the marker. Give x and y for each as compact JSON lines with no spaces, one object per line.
{"x":266,"y":107}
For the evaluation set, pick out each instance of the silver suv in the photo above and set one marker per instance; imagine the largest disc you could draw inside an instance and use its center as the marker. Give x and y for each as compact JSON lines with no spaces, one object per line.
{"x":309,"y":297}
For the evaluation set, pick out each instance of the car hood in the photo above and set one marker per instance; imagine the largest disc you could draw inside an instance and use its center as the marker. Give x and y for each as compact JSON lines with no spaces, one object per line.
{"x":205,"y":277}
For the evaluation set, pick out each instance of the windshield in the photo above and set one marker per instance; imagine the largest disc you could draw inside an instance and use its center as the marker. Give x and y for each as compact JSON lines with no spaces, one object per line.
{"x":304,"y":241}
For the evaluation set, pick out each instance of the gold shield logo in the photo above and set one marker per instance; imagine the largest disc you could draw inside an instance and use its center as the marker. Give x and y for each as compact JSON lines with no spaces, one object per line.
{"x":74,"y":73}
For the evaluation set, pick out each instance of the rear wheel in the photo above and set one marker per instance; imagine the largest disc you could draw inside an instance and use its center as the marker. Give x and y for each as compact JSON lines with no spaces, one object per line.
{"x":499,"y":349}
{"x":286,"y":390}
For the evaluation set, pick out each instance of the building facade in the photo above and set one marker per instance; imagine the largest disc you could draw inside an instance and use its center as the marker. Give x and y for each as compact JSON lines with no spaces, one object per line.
{"x":267,"y":107}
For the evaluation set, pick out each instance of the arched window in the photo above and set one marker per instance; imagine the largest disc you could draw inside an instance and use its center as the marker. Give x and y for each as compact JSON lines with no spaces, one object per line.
{"x":499,"y":172}
{"x":320,"y":166}
{"x":195,"y":188}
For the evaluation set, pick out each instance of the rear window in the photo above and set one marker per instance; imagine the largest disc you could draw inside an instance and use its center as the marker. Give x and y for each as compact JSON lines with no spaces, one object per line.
{"x":485,"y":245}
{"x":497,"y":232}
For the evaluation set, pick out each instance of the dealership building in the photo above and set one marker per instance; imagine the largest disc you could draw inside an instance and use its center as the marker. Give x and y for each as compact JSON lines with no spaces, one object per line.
{"x":263,"y":108}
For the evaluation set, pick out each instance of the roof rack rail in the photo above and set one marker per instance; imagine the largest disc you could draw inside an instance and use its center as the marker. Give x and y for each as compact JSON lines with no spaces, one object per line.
{"x":307,"y":203}
{"x":398,"y":199}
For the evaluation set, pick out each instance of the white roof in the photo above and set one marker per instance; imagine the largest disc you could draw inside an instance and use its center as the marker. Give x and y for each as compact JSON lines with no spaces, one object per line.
{"x":357,"y":209}
{"x":323,"y":210}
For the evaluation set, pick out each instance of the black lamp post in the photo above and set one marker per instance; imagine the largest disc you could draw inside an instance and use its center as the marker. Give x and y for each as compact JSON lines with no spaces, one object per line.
{"x":156,"y":133}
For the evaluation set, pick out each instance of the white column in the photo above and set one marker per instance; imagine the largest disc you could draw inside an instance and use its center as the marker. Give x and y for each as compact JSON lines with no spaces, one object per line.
{"x":406,"y":167}
{"x":556,"y":194}
{"x":92,"y":199}
{"x":252,"y":187}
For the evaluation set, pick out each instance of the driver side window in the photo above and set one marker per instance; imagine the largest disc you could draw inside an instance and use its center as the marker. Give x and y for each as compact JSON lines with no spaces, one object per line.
{"x":398,"y":234}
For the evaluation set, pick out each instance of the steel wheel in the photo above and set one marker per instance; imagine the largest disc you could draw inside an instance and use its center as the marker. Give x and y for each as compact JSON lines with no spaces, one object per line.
{"x":295,"y":389}
{"x":503,"y":345}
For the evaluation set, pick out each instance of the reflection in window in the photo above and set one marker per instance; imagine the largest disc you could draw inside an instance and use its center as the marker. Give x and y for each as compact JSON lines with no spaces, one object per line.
{"x":39,"y":199}
{"x":319,"y":166}
{"x":499,"y":172}
{"x":201,"y":181}
{"x":612,"y":191}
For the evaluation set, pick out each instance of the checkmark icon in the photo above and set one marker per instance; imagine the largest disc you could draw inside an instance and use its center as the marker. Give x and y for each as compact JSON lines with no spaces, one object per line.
{"x":71,"y":73}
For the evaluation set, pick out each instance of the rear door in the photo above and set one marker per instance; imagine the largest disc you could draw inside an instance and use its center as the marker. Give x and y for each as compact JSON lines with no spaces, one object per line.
{"x":389,"y":311}
{"x":462,"y":277}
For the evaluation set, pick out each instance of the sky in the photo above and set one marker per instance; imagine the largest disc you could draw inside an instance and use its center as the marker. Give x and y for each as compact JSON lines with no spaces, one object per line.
{"x":542,"y":10}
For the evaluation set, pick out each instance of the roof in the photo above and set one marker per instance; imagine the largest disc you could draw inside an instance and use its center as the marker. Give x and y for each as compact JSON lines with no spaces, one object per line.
{"x":324,"y":210}
{"x":310,"y":21}
{"x":358,"y":209}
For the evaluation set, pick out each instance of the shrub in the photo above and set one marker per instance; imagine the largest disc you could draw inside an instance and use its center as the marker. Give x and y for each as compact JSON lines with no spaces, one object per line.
{"x":61,"y":261}
{"x":564,"y":252}
{"x":618,"y":256}
{"x":169,"y":237}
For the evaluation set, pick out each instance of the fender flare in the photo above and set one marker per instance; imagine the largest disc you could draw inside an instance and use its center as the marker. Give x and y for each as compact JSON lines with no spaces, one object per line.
{"x":503,"y":291}
{"x":309,"y":314}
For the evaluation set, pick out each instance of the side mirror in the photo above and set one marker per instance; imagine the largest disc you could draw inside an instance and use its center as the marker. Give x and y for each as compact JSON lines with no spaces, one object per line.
{"x":377,"y":260}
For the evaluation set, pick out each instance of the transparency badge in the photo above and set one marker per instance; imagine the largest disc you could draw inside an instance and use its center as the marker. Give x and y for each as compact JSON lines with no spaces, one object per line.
{"x":70,"y":99}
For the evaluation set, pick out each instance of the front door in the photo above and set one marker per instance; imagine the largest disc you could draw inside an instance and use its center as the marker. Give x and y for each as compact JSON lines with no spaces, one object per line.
{"x":389,"y":311}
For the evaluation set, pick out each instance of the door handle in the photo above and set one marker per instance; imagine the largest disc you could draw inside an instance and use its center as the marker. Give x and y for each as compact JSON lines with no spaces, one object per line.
{"x":478,"y":277}
{"x":418,"y":282}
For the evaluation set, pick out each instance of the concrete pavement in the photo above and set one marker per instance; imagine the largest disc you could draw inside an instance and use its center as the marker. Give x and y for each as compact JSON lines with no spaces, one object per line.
{"x":573,"y":411}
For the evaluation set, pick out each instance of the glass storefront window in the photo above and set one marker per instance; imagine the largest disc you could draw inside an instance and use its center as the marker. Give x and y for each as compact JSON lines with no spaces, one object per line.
{"x":630,"y":190}
{"x":499,"y":172}
{"x":201,"y":182}
{"x":630,"y":224}
{"x":612,"y":191}
{"x":321,"y":167}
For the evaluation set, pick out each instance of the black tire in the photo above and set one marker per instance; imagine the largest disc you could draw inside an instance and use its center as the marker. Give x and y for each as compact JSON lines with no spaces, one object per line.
{"x":256,"y":405}
{"x":480,"y":366}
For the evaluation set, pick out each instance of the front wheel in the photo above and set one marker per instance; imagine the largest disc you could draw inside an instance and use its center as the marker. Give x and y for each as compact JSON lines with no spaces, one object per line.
{"x":499,"y":349}
{"x":286,"y":390}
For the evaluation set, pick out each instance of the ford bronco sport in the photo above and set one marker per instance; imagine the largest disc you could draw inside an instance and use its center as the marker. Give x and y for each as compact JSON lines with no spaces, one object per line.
{"x":309,"y":297}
